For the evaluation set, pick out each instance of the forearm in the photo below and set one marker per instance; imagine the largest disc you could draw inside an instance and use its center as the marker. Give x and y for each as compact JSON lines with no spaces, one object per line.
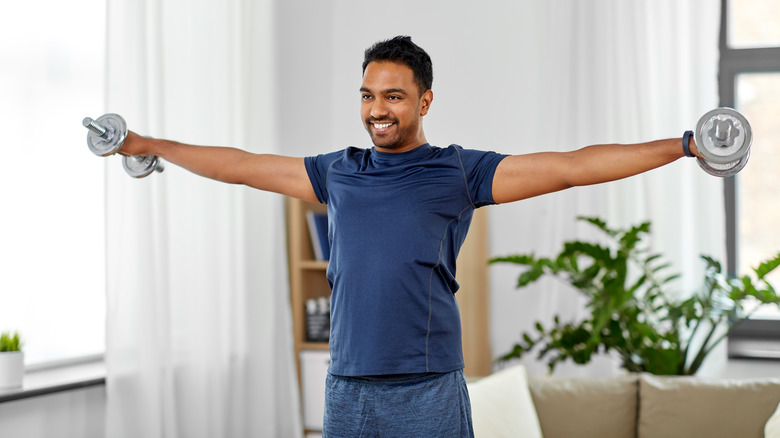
{"x":218,"y":163}
{"x":603,"y":163}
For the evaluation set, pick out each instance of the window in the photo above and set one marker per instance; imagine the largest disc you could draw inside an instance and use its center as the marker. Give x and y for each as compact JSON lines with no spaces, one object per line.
{"x":753,"y":23}
{"x":52,"y":249}
{"x":757,"y":96}
{"x":750,"y":82}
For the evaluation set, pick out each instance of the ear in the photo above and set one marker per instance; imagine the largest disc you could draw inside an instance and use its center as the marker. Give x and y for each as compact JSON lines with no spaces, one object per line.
{"x":425,"y":102}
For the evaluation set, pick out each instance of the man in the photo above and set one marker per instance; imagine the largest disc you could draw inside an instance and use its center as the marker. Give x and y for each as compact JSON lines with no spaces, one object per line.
{"x":398,"y":214}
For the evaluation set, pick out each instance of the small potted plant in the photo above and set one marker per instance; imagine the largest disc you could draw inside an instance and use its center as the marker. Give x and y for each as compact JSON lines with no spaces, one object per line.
{"x":11,"y":361}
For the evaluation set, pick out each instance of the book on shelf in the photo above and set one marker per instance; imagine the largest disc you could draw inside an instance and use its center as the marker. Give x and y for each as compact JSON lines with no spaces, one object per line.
{"x":318,"y":229}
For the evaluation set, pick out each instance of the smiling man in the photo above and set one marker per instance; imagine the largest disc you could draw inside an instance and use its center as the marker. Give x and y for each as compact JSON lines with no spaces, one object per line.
{"x":398,"y":213}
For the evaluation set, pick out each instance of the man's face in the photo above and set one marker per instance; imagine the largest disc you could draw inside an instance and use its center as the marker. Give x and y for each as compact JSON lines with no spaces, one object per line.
{"x":392,"y":108}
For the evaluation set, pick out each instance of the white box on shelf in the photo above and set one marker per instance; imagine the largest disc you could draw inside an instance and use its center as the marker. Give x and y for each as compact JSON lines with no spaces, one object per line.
{"x":314,"y":370}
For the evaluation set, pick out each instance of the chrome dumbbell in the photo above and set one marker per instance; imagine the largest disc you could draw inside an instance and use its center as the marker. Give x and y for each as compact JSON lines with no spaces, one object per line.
{"x":723,"y":137}
{"x":106,"y":136}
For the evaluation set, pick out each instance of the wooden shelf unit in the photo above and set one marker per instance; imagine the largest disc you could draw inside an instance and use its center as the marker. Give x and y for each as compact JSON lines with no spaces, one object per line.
{"x":307,"y":275}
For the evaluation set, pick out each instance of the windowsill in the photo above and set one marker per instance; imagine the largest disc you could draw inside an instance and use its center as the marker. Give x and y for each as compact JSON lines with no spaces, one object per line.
{"x":758,"y":349}
{"x":757,"y":339}
{"x":40,"y":381}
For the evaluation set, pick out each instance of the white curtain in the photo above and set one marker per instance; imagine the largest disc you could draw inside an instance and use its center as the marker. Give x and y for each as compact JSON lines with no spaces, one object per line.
{"x":198,"y":327}
{"x":612,"y":71}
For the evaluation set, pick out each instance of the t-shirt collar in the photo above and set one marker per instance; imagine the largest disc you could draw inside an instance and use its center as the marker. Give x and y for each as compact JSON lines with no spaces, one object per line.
{"x":412,"y":154}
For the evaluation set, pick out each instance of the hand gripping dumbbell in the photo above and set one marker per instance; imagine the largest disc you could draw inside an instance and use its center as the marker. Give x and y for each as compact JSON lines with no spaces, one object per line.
{"x":723,"y":137}
{"x":106,"y":137}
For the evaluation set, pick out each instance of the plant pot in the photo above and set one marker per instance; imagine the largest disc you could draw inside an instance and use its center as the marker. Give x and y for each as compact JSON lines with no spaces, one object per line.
{"x":11,"y":369}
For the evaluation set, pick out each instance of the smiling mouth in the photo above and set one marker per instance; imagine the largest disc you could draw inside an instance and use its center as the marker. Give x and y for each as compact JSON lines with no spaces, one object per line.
{"x":381,"y":126}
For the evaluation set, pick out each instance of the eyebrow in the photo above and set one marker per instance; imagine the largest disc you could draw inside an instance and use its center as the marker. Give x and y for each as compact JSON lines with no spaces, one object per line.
{"x":388,"y":91}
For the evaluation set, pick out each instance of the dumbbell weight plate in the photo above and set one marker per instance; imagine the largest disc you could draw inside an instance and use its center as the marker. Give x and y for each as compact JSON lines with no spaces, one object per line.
{"x":723,"y":136}
{"x":111,"y":142}
{"x":139,"y":166}
{"x":724,"y":170}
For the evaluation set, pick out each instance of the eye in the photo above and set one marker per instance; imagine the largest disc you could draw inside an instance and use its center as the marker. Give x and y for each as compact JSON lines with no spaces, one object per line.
{"x":392,"y":97}
{"x":365,"y":97}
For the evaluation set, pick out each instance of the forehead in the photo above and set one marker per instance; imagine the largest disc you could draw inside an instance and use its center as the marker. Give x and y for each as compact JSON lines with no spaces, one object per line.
{"x":383,"y":75}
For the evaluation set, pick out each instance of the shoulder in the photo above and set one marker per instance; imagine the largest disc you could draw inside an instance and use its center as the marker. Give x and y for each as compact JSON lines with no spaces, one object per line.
{"x":472,"y":157}
{"x":349,"y":154}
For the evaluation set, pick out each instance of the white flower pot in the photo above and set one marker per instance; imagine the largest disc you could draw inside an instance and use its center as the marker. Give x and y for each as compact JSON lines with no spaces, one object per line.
{"x":11,"y":369}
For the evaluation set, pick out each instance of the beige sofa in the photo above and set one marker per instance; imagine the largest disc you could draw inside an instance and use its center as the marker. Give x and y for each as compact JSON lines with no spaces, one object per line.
{"x":635,"y":405}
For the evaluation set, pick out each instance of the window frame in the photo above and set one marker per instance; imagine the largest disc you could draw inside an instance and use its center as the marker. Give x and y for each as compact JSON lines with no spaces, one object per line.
{"x":733,"y":62}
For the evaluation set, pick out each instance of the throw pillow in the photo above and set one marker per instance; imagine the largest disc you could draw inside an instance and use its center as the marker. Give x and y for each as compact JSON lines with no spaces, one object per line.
{"x":501,"y":405}
{"x":686,"y":406}
{"x":586,"y":407}
{"x":772,"y":428}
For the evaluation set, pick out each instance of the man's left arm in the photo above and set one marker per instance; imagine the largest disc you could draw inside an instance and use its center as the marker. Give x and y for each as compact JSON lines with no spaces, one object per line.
{"x":525,"y":176}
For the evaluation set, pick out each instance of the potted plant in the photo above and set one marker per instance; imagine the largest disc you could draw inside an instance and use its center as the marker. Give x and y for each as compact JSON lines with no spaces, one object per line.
{"x":631,"y":313}
{"x":11,"y":361}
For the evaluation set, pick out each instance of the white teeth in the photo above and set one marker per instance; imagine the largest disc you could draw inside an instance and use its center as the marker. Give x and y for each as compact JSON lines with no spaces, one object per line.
{"x":382,"y":126}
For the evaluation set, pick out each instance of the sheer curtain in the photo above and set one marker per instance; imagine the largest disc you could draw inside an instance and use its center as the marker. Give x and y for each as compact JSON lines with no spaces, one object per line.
{"x":199,"y":330}
{"x":613,"y":72}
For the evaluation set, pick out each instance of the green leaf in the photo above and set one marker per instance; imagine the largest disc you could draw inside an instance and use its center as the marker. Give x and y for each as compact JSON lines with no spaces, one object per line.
{"x":712,"y":263}
{"x":652,"y":258}
{"x":767,"y":266}
{"x":522,"y":259}
{"x":662,"y":361}
{"x":529,"y":276}
{"x":516,"y":353}
{"x":598,"y":223}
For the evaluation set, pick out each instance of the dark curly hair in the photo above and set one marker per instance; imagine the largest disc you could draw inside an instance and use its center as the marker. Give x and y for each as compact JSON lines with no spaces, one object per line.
{"x":401,"y":49}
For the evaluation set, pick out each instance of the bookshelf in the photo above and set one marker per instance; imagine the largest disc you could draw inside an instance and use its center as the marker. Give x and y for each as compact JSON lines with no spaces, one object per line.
{"x":307,"y":275}
{"x":307,"y":280}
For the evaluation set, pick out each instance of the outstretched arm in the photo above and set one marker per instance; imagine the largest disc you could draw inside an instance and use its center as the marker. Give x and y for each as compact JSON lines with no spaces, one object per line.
{"x":524,"y":176}
{"x":273,"y":173}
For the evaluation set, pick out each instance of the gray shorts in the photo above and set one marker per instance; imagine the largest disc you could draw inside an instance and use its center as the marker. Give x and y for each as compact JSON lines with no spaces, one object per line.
{"x":419,"y":405}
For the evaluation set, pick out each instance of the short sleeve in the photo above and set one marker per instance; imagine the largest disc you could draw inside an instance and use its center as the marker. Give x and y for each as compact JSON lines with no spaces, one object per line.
{"x":480,"y":167}
{"x":318,"y":167}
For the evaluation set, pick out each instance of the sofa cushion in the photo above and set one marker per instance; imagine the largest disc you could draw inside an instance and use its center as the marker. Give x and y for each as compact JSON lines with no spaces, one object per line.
{"x":586,"y":407}
{"x":697,"y":407}
{"x":772,"y":428}
{"x":501,"y":405}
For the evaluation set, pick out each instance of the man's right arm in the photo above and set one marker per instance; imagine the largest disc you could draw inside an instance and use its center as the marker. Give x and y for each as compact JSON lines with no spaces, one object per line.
{"x":273,"y":173}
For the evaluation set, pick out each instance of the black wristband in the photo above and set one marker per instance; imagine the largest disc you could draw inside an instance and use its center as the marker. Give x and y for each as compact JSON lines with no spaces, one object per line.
{"x":685,"y":140}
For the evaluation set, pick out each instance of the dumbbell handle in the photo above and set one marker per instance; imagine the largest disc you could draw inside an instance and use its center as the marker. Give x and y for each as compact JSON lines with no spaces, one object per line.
{"x":95,"y":127}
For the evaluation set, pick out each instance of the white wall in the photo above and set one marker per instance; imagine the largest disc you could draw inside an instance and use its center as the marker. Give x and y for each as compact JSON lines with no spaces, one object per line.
{"x":477,"y":81}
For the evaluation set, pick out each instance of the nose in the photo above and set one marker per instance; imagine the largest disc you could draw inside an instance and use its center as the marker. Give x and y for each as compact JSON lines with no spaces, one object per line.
{"x":378,"y":109}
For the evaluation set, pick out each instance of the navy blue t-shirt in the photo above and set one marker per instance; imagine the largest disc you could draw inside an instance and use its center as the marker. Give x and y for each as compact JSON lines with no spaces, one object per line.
{"x":396,"y":222}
